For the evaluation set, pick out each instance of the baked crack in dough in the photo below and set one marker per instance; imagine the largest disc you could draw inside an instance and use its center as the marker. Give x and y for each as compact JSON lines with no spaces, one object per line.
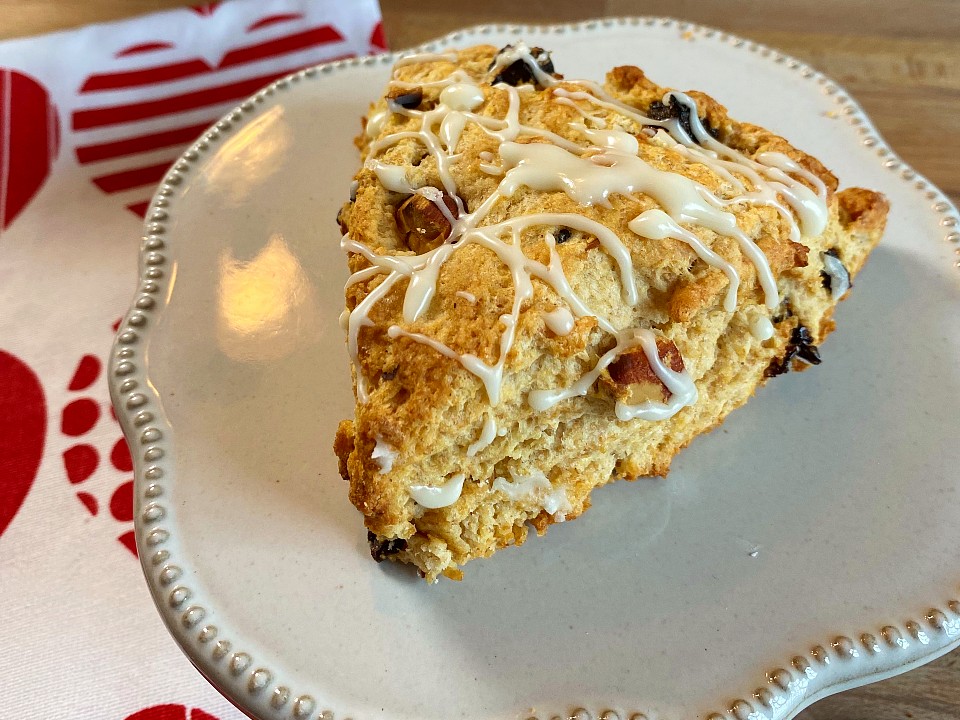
{"x":556,"y":284}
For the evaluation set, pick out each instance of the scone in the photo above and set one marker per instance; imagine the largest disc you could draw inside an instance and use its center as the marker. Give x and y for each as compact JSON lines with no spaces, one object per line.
{"x":557,"y":284}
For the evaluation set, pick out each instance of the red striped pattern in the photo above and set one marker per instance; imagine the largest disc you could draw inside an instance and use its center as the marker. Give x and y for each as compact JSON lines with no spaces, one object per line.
{"x":147,"y":76}
{"x":127,"y":179}
{"x":139,"y":208}
{"x":274,"y":20}
{"x":313,"y":37}
{"x":143,"y":48}
{"x":323,"y":35}
{"x":141,"y":143}
{"x":214,"y":99}
{"x":117,"y":114}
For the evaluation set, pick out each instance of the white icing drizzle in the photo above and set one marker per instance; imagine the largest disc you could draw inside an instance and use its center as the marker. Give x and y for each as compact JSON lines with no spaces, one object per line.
{"x":590,"y":175}
{"x":487,"y":434}
{"x":392,"y":177}
{"x":376,"y":122}
{"x":591,"y":181}
{"x":414,"y":58}
{"x":537,"y":488}
{"x":438,"y":497}
{"x":788,"y":165}
{"x":461,"y":96}
{"x":384,"y":455}
{"x":810,"y":208}
{"x":344,"y":319}
{"x":616,"y":139}
{"x":589,"y":119}
{"x":682,"y":390}
{"x":761,"y":327}
{"x":839,"y":277}
{"x":468,"y":296}
{"x":560,"y":321}
{"x":657,"y":225}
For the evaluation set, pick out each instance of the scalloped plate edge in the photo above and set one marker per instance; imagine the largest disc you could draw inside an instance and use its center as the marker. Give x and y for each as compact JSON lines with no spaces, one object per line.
{"x":840,"y":663}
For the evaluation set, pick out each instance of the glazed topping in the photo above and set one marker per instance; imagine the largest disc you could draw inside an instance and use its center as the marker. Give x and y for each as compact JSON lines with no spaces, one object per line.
{"x":559,"y":321}
{"x":537,"y":489}
{"x":604,"y":163}
{"x":461,"y":96}
{"x":384,"y":456}
{"x":487,"y":435}
{"x":438,"y":497}
{"x":761,"y":327}
{"x":657,"y":225}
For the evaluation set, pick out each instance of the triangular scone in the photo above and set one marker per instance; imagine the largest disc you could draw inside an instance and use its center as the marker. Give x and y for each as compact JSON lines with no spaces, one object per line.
{"x":557,"y":284}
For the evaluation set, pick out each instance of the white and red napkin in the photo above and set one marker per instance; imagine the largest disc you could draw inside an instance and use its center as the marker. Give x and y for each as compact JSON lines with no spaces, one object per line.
{"x":89,"y":122}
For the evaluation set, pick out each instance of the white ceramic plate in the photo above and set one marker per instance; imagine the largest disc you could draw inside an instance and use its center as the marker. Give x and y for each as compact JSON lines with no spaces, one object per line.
{"x":809,"y":545}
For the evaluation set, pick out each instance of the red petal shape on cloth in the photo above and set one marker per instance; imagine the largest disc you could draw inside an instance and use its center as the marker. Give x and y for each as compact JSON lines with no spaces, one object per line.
{"x":120,"y":456}
{"x":377,"y":39}
{"x":140,"y":209}
{"x":121,"y":502}
{"x":207,"y":8}
{"x":23,"y":428}
{"x":198,"y":714}
{"x":80,"y":462}
{"x":79,"y":417}
{"x":29,"y":141}
{"x":89,"y":502}
{"x":129,"y":541}
{"x":88,"y":369}
{"x":170,"y":712}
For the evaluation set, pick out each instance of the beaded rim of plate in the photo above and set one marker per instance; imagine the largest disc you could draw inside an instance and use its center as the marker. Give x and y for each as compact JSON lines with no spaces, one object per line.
{"x":784,"y":691}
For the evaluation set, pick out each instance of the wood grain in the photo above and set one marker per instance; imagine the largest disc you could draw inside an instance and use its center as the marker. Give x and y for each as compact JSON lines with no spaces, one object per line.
{"x":899,"y":59}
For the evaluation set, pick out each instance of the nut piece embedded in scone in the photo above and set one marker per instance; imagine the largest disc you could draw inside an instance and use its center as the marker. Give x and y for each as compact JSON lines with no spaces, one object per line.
{"x":632,"y":380}
{"x":423,"y":224}
{"x":556,"y":284}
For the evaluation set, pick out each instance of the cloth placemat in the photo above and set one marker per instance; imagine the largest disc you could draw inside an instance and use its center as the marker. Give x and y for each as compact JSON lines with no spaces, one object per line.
{"x":90,"y":120}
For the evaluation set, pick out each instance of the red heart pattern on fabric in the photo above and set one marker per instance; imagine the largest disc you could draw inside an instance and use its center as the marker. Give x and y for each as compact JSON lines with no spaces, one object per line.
{"x":90,"y":119}
{"x":23,"y":428}
{"x":29,"y":141}
{"x":132,"y":144}
{"x":81,"y":461}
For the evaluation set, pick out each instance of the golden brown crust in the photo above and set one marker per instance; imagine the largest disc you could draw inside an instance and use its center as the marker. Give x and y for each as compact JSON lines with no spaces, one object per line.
{"x":428,"y":409}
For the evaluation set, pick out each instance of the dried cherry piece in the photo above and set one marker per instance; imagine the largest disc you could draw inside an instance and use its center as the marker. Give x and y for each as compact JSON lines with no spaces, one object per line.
{"x":408,"y":99}
{"x":519,"y":72}
{"x":381,"y":549}
{"x":826,"y":279}
{"x":676,"y":109}
{"x":800,"y":346}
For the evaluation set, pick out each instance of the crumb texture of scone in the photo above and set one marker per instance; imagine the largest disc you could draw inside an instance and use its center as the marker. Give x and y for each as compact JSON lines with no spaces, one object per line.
{"x":557,"y":283}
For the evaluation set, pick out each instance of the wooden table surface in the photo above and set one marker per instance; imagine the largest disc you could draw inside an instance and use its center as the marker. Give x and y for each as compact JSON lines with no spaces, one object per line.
{"x":899,"y":59}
